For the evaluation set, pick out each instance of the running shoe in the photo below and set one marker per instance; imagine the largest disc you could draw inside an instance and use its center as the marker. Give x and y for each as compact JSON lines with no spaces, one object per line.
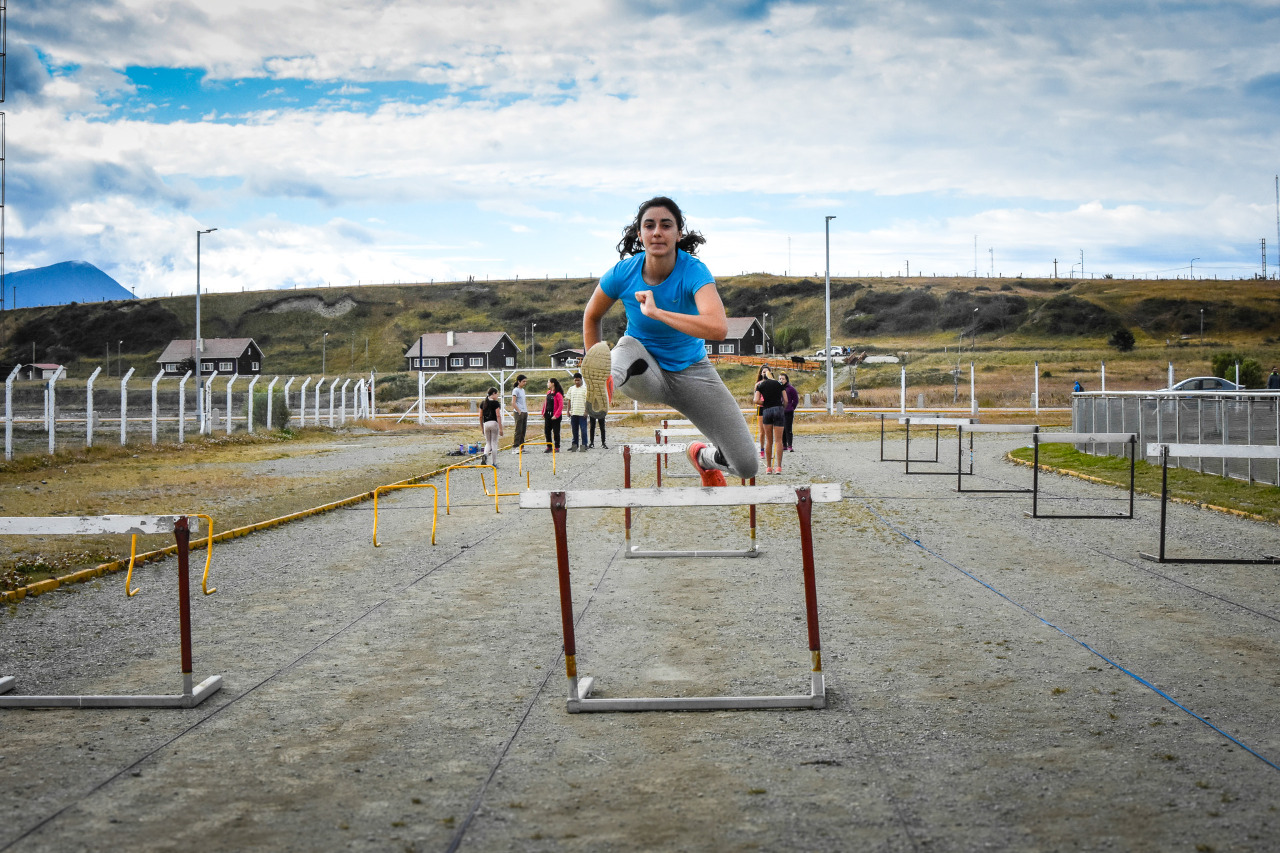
{"x":597,"y":370}
{"x":710,"y":476}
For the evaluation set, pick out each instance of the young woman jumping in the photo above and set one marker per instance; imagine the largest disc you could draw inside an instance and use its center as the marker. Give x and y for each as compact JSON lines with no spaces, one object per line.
{"x":672,"y":307}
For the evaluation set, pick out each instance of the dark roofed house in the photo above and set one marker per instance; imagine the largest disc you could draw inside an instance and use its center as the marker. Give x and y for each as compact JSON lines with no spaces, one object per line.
{"x":566,"y":358}
{"x":451,"y":351}
{"x":225,"y":355}
{"x":745,"y":337}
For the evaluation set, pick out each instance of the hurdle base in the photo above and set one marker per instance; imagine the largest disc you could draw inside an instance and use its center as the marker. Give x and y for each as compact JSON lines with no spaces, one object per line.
{"x":817,"y":699}
{"x":1026,"y":513}
{"x":636,"y":551}
{"x":202,"y":691}
{"x":1265,"y":559}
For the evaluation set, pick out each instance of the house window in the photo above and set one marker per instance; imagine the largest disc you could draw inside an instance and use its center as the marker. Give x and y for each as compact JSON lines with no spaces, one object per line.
{"x":254,"y":365}
{"x":432,"y":362}
{"x":476,"y":361}
{"x":171,"y":368}
{"x":759,"y":348}
{"x":206,"y":367}
{"x":726,"y":349}
{"x":709,"y":350}
{"x":226,"y":366}
{"x":511,"y":362}
{"x":457,"y":361}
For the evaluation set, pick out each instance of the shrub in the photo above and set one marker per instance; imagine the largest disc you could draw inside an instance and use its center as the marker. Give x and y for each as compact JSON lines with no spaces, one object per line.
{"x":1251,"y":373}
{"x":1070,"y":315}
{"x":280,"y":412}
{"x":1122,"y":339}
{"x":791,"y":338}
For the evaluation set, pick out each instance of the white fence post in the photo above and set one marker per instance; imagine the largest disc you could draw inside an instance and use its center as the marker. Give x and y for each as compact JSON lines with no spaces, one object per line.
{"x":229,"y":383}
{"x":422,"y":397}
{"x":902,"y":392}
{"x":1104,"y":375}
{"x":331,"y":387}
{"x":1037,"y":391}
{"x":124,"y":408}
{"x":155,"y":408}
{"x":88,"y":411}
{"x":8,"y":412}
{"x":182,"y":407}
{"x":319,"y":385}
{"x":344,"y":401}
{"x":1170,"y":374}
{"x":206,"y":428}
{"x":285,"y":397}
{"x":249,"y":404}
{"x":270,"y":388}
{"x":302,"y":402}
{"x":373,"y":395}
{"x":973,"y":392}
{"x":359,"y":401}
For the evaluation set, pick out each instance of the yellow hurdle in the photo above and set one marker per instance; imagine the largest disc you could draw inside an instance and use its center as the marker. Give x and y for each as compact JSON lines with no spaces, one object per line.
{"x":435,"y":505}
{"x":452,"y":468}
{"x":538,"y":444}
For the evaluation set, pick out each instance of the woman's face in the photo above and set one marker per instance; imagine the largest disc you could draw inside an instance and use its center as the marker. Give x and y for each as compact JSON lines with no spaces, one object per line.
{"x":782,"y":377}
{"x":659,"y":233}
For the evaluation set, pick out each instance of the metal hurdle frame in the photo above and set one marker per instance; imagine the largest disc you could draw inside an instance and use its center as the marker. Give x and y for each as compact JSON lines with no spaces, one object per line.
{"x":435,"y":505}
{"x":519,"y":452}
{"x":906,"y":420}
{"x":1040,"y":438}
{"x":1033,"y":429}
{"x":662,"y":436}
{"x":452,"y":468}
{"x":936,"y":422}
{"x":181,"y":527}
{"x":579,"y":698}
{"x":658,"y":451}
{"x":1216,"y":451}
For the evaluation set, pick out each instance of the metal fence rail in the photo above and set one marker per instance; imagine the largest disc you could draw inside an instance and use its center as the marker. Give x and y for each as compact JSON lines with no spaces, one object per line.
{"x":1187,"y":417}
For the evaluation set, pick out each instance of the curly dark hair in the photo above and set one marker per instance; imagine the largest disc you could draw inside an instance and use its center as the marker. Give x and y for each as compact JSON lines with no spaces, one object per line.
{"x":630,"y":243}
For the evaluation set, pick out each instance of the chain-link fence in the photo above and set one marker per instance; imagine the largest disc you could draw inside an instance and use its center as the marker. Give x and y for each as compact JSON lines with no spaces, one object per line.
{"x":1198,"y":417}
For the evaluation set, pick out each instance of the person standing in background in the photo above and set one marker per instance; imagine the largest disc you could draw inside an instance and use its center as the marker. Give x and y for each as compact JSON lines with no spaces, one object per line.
{"x":597,"y":418}
{"x":769,"y":397}
{"x":577,"y":399}
{"x":762,"y":374}
{"x":491,"y":425}
{"x":520,"y":409}
{"x":552,"y":412}
{"x":1273,"y":381}
{"x":790,"y":401}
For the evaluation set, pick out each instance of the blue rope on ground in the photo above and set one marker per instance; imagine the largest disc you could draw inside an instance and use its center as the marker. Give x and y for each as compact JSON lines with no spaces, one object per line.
{"x":1073,"y":638}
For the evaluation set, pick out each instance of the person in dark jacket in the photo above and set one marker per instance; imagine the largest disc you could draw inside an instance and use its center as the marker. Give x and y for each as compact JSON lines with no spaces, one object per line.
{"x":1273,"y":381}
{"x":790,"y":401}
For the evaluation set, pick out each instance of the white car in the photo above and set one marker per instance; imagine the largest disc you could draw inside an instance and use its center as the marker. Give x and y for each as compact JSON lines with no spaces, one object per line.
{"x":1206,"y":383}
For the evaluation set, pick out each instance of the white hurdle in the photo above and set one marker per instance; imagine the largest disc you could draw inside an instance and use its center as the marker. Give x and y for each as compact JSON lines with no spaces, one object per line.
{"x":1211,"y":451}
{"x":659,"y":451}
{"x":181,"y":527}
{"x":1090,"y":438}
{"x":579,"y":699}
{"x":961,"y":429}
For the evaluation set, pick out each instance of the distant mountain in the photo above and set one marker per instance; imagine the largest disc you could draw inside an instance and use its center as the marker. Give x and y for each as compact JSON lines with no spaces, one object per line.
{"x":59,"y":284}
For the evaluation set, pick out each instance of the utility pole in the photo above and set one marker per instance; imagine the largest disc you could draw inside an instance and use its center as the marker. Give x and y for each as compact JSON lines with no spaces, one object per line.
{"x":1055,"y":267}
{"x":1264,"y":258}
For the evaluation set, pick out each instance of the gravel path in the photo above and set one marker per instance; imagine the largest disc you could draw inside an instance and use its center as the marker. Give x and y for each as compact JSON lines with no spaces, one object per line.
{"x":412,"y":697}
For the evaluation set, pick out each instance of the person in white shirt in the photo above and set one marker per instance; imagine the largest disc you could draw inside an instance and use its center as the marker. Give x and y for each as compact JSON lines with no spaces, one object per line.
{"x":520,"y":409}
{"x":576,"y":398}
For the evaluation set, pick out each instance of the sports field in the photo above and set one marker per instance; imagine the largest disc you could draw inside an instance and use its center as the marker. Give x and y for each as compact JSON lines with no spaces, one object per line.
{"x":993,"y":681}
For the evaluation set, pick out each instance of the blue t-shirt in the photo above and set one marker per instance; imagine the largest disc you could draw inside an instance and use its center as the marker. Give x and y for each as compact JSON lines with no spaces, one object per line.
{"x":672,"y":349}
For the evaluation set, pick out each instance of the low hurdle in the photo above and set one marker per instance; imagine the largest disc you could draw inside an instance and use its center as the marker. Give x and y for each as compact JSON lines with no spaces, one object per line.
{"x":181,"y":527}
{"x":1040,"y":438}
{"x":519,"y":451}
{"x":971,"y":428}
{"x":907,"y":421}
{"x":935,"y":422}
{"x":677,"y":428}
{"x":435,"y":504}
{"x":658,"y":451}
{"x":579,"y":699}
{"x":1213,"y":451}
{"x":452,"y":468}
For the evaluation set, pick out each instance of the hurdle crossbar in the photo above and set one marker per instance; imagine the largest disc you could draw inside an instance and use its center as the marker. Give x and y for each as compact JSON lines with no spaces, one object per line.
{"x":435,"y":505}
{"x":1212,"y":451}
{"x":937,"y":433}
{"x":961,"y":429}
{"x":1039,"y":438}
{"x":579,"y":699}
{"x":181,"y":527}
{"x":670,"y":427}
{"x":659,"y":451}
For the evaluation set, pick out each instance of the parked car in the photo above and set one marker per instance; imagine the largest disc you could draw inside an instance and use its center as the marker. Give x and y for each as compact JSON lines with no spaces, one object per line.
{"x":1206,"y":383}
{"x":571,"y":362}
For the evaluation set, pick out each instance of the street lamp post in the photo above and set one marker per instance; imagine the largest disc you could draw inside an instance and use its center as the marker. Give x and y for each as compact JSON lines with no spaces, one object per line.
{"x":533,"y":345}
{"x":199,"y":340}
{"x":1201,"y":327}
{"x":119,"y":361}
{"x":764,"y":330}
{"x":1193,"y":268}
{"x":830,"y":375}
{"x":324,"y":349}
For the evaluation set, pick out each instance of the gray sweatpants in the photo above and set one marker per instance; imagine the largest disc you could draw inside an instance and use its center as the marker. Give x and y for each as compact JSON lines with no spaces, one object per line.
{"x":698,"y":393}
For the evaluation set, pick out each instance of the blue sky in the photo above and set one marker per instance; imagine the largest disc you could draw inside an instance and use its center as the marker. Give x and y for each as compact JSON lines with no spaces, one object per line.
{"x":342,"y":142}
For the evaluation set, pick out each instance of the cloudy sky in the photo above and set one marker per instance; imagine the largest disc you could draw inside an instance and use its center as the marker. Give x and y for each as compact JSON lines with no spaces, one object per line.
{"x":333,"y":141}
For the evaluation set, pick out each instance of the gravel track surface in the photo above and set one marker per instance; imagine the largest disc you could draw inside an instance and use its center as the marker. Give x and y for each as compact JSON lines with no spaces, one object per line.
{"x":411,"y":697}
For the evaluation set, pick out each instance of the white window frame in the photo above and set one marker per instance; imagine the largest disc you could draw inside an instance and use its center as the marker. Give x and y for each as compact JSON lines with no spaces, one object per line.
{"x":759,"y":348}
{"x":226,"y":366}
{"x":511,"y":362}
{"x":457,"y":361}
{"x":709,"y":348}
{"x":477,"y":361}
{"x":255,"y":365}
{"x":432,"y":362}
{"x":728,"y":349}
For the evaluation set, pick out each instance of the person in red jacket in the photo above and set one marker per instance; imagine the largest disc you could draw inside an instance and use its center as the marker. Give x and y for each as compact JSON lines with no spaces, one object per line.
{"x":552,"y":412}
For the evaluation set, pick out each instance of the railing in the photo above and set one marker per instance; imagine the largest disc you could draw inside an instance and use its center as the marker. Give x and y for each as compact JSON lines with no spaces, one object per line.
{"x":1188,"y":417}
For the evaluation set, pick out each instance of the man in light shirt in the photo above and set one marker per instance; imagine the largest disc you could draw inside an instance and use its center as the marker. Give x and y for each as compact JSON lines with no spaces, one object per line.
{"x":576,"y":398}
{"x":520,"y":408}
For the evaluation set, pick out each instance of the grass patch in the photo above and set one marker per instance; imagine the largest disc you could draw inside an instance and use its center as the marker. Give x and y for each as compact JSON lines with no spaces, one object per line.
{"x":1256,"y":499}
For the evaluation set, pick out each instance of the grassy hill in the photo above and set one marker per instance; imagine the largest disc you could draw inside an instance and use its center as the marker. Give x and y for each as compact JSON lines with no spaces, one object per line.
{"x":1006,"y":325}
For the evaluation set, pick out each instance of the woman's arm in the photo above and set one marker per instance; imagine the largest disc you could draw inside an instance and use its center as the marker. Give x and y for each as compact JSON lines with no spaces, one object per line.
{"x":593,"y":318}
{"x":709,"y":324}
{"x":559,"y":409}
